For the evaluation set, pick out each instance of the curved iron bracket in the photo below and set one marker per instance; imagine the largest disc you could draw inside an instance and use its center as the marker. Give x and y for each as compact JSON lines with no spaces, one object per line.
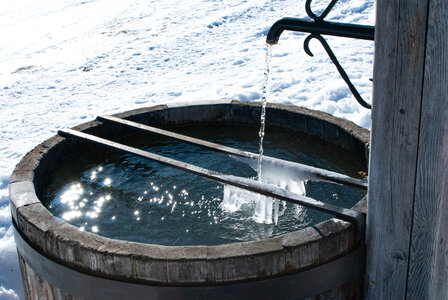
{"x":341,"y":70}
{"x":319,"y":27}
{"x":325,"y":13}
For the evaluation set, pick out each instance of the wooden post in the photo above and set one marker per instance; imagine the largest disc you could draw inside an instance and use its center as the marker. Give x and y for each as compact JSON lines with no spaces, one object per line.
{"x":407,"y":222}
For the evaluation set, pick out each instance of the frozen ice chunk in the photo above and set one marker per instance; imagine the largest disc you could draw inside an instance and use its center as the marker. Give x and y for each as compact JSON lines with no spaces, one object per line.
{"x":274,"y":172}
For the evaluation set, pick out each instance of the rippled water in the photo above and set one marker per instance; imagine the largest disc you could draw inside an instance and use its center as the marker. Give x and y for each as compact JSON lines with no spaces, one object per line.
{"x":125,"y":197}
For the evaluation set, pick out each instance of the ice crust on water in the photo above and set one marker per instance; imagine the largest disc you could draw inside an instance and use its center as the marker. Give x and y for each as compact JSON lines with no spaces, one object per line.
{"x":274,"y":172}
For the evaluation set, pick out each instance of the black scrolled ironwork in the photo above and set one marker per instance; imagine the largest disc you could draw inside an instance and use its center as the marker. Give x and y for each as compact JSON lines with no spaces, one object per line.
{"x":337,"y":64}
{"x":319,"y":27}
{"x":322,"y":16}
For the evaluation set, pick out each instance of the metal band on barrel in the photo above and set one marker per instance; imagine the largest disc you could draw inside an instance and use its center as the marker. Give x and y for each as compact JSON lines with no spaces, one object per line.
{"x":302,"y":284}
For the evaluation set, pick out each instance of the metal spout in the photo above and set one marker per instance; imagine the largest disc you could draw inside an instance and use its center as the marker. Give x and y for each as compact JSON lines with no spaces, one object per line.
{"x":322,"y":27}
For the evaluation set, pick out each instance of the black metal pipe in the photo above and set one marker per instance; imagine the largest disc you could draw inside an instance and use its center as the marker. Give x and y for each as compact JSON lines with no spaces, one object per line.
{"x":363,"y":32}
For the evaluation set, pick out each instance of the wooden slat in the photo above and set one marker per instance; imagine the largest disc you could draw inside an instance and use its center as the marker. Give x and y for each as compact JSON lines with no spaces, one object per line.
{"x":308,"y":172}
{"x":398,"y":73}
{"x":240,"y":182}
{"x":428,"y":267}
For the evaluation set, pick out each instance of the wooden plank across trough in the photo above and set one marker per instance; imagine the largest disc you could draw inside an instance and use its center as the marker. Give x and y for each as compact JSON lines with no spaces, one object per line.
{"x":308,"y":172}
{"x":345,"y":214}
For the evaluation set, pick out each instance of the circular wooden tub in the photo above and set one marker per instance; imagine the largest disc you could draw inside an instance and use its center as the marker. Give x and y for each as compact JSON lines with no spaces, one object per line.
{"x":58,"y":261}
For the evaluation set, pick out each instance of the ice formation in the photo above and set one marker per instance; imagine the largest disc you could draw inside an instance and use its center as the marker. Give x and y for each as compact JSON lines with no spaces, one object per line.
{"x":275,"y":172}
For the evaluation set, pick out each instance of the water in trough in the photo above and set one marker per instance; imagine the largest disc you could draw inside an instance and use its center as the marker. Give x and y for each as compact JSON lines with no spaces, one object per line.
{"x":129,"y":198}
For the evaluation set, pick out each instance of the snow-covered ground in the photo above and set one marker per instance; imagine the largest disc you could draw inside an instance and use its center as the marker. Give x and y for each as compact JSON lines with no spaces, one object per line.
{"x":63,"y":62}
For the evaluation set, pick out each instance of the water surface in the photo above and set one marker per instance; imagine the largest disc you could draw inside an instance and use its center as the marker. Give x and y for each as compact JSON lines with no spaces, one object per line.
{"x":129,"y":198}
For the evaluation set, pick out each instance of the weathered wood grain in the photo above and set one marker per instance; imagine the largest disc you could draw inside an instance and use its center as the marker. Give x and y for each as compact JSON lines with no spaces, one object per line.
{"x":398,"y":72}
{"x":428,"y":267}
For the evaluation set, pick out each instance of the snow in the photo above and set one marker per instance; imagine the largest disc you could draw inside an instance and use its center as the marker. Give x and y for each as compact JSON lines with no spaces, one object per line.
{"x":63,"y":62}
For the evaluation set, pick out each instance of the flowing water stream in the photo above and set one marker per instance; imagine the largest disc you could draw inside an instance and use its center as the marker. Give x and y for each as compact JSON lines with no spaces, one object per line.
{"x":263,"y":210}
{"x":263,"y":107}
{"x":266,"y":208}
{"x":234,"y":196}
